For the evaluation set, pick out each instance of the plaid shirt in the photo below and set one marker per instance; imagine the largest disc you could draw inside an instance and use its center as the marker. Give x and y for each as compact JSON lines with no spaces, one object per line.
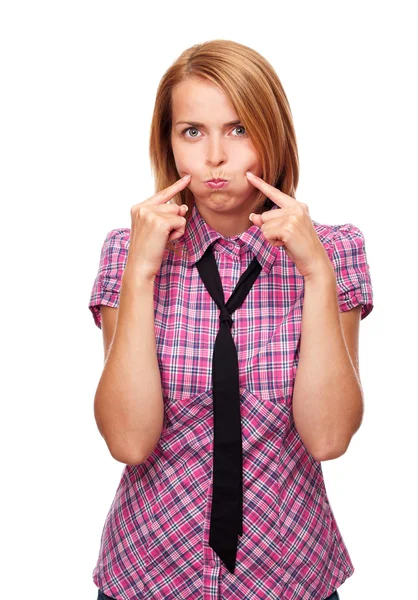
{"x":155,"y":538}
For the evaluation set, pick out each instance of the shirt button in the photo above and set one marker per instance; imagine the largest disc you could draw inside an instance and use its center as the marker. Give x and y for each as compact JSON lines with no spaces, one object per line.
{"x":212,"y":563}
{"x":231,"y":246}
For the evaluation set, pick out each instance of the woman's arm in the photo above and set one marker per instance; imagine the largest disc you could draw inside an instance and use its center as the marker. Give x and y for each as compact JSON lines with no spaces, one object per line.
{"x":128,"y":404}
{"x":327,"y":399}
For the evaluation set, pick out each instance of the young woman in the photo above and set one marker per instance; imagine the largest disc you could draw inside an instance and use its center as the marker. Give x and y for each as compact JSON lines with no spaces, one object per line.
{"x":230,"y":322}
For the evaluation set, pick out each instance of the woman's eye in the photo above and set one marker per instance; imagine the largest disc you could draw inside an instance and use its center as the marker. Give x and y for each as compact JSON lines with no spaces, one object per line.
{"x":240,"y":127}
{"x":187,"y":129}
{"x":196,"y":129}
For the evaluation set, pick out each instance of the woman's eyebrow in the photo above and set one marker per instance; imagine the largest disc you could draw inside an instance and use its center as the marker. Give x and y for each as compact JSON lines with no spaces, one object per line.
{"x":197,"y":124}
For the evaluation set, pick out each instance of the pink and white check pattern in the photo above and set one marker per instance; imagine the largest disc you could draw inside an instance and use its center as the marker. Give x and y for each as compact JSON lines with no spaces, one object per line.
{"x":155,"y":538}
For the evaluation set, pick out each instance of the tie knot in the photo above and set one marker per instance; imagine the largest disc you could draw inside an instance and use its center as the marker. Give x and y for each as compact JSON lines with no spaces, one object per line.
{"x":225,"y":316}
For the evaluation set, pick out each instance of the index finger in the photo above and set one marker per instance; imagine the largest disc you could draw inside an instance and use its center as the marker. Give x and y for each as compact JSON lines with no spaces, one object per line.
{"x":273,"y":193}
{"x":169,"y":192}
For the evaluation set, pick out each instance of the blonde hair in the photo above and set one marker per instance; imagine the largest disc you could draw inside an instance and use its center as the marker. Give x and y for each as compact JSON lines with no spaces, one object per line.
{"x":252,"y":86}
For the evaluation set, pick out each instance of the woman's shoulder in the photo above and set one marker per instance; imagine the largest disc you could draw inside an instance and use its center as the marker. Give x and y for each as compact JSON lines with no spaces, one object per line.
{"x":331,"y":234}
{"x":346,"y":248}
{"x":118,"y":237}
{"x":115,"y":248}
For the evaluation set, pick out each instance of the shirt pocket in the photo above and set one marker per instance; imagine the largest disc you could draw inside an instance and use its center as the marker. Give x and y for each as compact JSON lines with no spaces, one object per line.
{"x":271,"y":372}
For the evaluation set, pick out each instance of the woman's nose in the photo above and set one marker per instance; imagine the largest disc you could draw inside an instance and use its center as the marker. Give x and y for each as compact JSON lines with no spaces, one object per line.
{"x":216,"y":151}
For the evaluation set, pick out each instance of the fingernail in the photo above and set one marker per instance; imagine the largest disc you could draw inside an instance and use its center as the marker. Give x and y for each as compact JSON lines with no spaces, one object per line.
{"x":186,"y":207}
{"x":251,"y":217}
{"x":186,"y":176}
{"x":250,"y":174}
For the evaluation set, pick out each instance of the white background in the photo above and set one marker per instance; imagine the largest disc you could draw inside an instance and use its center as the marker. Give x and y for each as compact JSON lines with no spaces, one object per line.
{"x":78,"y":85}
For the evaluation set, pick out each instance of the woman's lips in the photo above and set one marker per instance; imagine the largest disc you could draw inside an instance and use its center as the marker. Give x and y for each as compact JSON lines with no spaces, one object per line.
{"x":216,"y":185}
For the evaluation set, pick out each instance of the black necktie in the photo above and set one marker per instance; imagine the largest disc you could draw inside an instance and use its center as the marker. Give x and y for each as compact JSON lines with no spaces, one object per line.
{"x":226,"y":516}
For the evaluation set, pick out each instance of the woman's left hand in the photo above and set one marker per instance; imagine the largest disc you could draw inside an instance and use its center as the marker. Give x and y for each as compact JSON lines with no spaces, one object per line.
{"x":292,"y":228}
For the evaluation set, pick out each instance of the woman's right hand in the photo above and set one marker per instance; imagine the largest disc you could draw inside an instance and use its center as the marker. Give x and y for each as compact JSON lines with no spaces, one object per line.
{"x":153,"y":224}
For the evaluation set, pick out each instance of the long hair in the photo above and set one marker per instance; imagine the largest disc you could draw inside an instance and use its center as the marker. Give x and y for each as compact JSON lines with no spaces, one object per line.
{"x":253,"y":88}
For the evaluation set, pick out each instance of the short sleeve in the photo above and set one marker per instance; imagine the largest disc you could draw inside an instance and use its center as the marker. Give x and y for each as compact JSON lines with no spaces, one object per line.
{"x":107,"y":284}
{"x":352,"y":269}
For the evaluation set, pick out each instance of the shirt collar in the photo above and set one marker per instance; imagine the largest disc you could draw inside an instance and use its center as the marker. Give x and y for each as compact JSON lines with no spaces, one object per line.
{"x":199,"y":235}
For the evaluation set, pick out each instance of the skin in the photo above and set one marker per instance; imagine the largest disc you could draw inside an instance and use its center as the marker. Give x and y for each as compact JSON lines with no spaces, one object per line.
{"x":214,"y":151}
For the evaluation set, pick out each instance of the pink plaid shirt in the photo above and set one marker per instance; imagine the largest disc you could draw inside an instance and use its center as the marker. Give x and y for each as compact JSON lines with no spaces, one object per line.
{"x":155,"y":538}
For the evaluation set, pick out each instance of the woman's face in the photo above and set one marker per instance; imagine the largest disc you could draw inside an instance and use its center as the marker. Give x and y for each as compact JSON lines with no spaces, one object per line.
{"x":213,"y":150}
